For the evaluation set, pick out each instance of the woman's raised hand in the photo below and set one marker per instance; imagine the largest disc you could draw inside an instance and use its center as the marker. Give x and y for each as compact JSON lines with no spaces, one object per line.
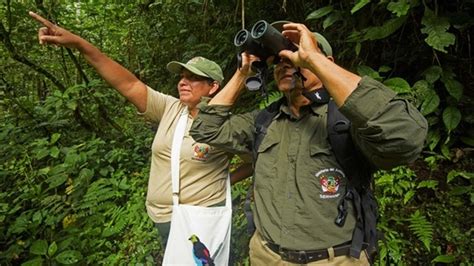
{"x":53,"y":34}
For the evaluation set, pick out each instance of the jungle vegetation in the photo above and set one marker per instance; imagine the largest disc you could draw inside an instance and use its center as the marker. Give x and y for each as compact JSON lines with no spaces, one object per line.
{"x":74,"y":156}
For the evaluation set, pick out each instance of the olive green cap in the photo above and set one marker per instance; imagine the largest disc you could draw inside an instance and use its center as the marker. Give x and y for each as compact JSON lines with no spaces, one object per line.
{"x":200,"y":66}
{"x":322,"y":41}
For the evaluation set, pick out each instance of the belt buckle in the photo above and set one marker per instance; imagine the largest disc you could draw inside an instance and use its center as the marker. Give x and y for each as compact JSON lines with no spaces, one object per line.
{"x":302,"y":257}
{"x":296,"y":256}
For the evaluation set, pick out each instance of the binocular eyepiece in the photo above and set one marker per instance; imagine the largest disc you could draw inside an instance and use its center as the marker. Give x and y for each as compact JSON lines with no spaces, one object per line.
{"x":263,"y":41}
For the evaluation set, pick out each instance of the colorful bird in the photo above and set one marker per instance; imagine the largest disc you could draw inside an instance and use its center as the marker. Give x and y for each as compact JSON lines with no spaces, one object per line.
{"x":201,"y":254}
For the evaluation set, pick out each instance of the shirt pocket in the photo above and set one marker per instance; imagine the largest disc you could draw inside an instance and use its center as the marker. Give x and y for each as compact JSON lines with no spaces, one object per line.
{"x":267,"y":156}
{"x":321,"y":155}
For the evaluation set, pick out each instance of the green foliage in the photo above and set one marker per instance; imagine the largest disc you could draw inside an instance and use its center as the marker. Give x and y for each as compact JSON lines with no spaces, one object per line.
{"x":421,"y":228}
{"x":436,"y":28}
{"x":74,"y":156}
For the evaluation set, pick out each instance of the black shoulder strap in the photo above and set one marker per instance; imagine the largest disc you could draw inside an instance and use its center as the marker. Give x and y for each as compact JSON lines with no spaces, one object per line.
{"x":262,"y":122}
{"x":359,"y":173}
{"x":348,"y":156}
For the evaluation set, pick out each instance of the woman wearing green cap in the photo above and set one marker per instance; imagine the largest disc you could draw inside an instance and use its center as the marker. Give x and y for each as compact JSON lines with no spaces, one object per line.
{"x":203,"y":169}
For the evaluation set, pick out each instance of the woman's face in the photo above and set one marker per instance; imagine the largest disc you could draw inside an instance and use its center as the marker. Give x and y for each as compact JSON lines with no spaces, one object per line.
{"x":192,"y":87}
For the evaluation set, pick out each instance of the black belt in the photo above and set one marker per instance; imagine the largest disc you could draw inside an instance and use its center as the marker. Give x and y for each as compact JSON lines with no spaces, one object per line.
{"x":306,"y":256}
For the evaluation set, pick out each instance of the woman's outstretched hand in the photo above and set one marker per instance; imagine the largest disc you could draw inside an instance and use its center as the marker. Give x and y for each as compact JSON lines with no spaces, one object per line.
{"x":53,"y":34}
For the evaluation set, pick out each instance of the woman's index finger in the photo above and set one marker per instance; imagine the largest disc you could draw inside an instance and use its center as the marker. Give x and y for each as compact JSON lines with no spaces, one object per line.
{"x":41,"y":20}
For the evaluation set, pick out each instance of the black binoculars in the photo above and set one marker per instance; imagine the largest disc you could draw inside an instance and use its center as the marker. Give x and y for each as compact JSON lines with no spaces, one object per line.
{"x":263,"y":41}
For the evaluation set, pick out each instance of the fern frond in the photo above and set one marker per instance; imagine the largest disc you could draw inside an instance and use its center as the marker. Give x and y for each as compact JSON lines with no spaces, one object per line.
{"x":272,"y":97}
{"x":422,"y":228}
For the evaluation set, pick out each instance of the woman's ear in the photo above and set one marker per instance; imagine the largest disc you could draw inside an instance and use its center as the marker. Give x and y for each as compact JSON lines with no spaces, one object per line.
{"x":330,"y":57}
{"x":215,"y":88}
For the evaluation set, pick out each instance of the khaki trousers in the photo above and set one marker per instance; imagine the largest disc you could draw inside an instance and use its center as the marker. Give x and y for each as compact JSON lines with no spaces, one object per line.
{"x":260,"y":254}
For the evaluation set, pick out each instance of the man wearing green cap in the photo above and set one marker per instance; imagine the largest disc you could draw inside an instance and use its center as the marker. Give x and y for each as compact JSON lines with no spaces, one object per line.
{"x":203,"y":169}
{"x":298,"y":182}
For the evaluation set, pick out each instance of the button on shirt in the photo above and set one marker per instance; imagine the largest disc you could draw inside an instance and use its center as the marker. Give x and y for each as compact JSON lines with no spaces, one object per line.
{"x":298,"y":182}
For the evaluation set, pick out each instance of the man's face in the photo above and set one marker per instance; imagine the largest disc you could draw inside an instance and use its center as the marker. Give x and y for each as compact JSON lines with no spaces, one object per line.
{"x":286,"y":81}
{"x":192,"y":87}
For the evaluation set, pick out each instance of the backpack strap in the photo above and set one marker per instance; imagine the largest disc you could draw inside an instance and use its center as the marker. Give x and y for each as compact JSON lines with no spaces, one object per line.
{"x":358,"y":191}
{"x":262,"y":121}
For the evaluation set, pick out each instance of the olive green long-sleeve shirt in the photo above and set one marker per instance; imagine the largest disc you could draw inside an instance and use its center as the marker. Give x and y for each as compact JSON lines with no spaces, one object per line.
{"x":298,"y":182}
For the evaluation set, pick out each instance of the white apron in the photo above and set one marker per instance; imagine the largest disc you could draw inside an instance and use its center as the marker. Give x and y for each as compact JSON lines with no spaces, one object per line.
{"x":198,"y":235}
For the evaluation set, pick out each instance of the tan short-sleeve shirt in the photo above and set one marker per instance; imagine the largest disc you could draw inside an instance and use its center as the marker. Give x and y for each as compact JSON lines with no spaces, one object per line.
{"x":203,"y":169}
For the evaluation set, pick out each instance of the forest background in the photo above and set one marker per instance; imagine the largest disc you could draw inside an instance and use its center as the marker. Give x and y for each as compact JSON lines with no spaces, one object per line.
{"x":75,"y":156}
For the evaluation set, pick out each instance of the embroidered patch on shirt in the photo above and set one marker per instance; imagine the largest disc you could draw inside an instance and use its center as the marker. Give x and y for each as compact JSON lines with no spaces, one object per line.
{"x":201,"y":152}
{"x":330,"y":180}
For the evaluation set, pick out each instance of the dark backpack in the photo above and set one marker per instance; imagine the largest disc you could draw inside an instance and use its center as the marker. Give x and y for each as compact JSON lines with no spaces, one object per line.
{"x":356,"y":167}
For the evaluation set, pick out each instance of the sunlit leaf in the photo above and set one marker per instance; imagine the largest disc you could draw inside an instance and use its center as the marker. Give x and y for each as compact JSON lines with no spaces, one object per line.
{"x":360,"y":4}
{"x":319,"y":13}
{"x":52,"y":249}
{"x":408,"y":196}
{"x":444,"y":259}
{"x":428,"y":184}
{"x":54,"y":152}
{"x":363,"y":70}
{"x":54,"y":138}
{"x":399,"y":85}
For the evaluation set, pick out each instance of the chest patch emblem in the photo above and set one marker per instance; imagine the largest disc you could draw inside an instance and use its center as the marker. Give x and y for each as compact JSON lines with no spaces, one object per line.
{"x":201,"y":152}
{"x":330,"y":180}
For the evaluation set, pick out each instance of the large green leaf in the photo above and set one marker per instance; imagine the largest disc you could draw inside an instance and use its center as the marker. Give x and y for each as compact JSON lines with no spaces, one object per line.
{"x":360,"y":4}
{"x":381,"y":32}
{"x":430,"y":103}
{"x":451,"y":117}
{"x":454,"y":88}
{"x":331,"y":19}
{"x":319,"y":13}
{"x":399,"y":85}
{"x":39,"y":247}
{"x":364,"y":70}
{"x":436,"y":28}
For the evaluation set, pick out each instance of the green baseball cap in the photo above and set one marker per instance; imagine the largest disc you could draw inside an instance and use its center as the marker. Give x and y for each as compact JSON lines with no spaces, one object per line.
{"x":200,"y":66}
{"x":322,"y":41}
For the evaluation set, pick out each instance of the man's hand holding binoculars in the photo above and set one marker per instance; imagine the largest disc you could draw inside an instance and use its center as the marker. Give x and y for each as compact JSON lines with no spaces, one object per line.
{"x":308,"y":48}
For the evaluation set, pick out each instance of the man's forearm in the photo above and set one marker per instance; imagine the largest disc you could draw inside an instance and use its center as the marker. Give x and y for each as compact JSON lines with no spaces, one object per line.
{"x":229,"y":94}
{"x":339,"y":82}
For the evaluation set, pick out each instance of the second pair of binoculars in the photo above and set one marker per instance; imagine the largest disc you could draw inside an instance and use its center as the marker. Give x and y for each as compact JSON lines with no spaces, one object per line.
{"x":264,"y":41}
